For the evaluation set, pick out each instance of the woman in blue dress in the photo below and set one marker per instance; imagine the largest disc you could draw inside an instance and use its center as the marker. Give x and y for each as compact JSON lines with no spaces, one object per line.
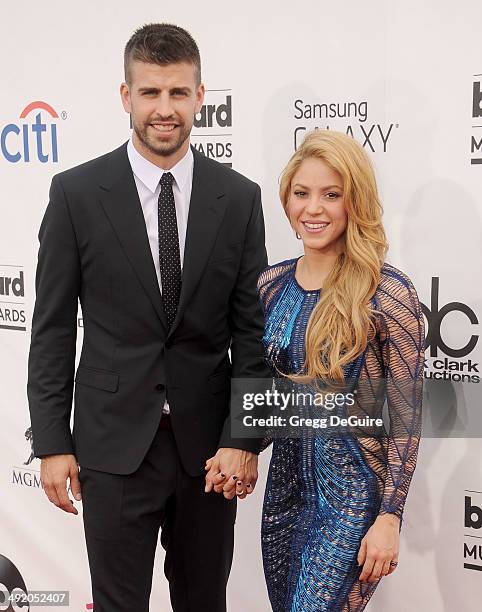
{"x":333,"y":504}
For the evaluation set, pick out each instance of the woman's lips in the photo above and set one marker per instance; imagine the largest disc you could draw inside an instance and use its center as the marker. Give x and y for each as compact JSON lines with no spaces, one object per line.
{"x":315,"y":228}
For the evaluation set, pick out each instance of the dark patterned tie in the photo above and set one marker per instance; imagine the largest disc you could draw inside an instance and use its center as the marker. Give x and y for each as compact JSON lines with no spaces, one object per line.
{"x":169,"y":257}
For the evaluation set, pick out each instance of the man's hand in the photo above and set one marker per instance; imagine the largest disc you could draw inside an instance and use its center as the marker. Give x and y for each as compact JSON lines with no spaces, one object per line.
{"x":232,"y":472}
{"x":54,"y":471}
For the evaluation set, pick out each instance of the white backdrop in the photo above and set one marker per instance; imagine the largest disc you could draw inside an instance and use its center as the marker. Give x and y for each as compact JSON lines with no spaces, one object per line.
{"x":412,"y":72}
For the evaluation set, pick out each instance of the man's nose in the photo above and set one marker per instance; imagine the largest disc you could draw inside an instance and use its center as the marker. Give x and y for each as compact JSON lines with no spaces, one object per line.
{"x":164,"y":106}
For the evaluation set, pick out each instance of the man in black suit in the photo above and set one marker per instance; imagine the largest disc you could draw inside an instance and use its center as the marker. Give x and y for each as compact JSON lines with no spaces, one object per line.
{"x":163,"y":248}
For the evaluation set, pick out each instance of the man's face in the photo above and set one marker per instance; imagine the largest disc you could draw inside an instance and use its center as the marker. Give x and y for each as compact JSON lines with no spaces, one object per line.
{"x":162,"y":101}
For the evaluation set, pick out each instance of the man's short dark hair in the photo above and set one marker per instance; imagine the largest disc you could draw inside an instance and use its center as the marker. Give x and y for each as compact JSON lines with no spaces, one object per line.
{"x":162,"y":43}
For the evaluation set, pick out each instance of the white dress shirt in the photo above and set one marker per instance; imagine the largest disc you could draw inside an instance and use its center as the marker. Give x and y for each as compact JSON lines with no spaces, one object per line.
{"x":147,"y":176}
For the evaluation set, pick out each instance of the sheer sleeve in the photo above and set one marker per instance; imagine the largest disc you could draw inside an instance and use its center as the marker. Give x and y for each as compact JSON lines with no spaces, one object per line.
{"x":270,"y":282}
{"x":403,"y":356}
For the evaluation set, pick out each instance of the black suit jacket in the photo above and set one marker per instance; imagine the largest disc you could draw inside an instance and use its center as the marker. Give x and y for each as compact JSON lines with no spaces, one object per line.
{"x":94,"y":247}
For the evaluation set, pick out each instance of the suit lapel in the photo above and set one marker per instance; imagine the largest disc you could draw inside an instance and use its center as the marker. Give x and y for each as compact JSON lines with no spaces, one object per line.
{"x":121,"y":204}
{"x":206,"y":212}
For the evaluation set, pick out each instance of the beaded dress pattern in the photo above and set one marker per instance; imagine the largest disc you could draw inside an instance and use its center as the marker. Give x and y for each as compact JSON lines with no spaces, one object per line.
{"x":324,"y":492}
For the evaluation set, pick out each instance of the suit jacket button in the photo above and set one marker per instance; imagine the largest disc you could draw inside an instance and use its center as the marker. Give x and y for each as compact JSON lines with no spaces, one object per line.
{"x":159,"y":387}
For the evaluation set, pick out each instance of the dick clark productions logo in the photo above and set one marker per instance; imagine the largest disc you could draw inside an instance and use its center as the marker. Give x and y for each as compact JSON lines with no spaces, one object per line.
{"x":34,"y":137}
{"x":457,"y":365}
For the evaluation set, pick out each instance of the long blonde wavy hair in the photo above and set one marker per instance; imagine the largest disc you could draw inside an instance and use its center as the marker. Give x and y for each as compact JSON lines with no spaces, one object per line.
{"x":341,"y":323}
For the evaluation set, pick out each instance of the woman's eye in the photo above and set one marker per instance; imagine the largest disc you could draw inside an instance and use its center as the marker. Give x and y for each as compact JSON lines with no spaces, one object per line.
{"x":332,"y":195}
{"x":300,"y":193}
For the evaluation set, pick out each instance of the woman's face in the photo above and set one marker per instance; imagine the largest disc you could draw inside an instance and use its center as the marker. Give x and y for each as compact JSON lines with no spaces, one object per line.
{"x":316,"y":207}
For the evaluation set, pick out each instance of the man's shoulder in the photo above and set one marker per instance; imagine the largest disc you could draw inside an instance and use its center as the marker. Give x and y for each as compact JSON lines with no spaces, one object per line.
{"x":224,"y":174}
{"x":92,"y":168}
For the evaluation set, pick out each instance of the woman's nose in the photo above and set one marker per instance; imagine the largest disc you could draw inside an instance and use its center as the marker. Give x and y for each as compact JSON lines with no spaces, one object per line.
{"x":314,"y":206}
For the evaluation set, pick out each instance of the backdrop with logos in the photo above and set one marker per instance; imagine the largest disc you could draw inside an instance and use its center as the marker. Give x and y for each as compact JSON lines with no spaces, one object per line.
{"x":405,"y":79}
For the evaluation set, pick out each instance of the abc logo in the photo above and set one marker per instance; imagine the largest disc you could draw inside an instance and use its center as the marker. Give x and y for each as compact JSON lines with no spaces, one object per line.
{"x":473,"y":514}
{"x":11,"y":584}
{"x":435,"y":316}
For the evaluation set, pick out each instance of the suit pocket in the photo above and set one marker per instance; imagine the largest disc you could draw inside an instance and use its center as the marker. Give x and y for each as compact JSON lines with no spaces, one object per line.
{"x":230,"y":252}
{"x":215,"y":262}
{"x":220,"y":381}
{"x":99,"y":379}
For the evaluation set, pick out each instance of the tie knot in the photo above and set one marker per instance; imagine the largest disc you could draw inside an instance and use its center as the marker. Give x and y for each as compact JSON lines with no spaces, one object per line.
{"x":167,"y":179}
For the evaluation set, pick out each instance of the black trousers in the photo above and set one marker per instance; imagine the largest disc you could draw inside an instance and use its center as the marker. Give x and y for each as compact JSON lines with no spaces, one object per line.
{"x":122,"y":517}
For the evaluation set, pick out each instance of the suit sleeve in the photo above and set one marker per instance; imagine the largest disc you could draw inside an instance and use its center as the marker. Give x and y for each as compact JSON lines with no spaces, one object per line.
{"x":246,"y":318}
{"x":54,"y":329}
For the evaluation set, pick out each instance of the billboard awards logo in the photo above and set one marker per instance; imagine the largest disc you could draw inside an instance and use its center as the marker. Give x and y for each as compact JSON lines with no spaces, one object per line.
{"x":26,"y":475}
{"x":349,"y":116}
{"x":34,"y":137}
{"x":13,"y":585}
{"x":476,"y":139}
{"x":212,"y":129}
{"x":446,"y":362}
{"x":12,"y":298}
{"x":473,"y":530}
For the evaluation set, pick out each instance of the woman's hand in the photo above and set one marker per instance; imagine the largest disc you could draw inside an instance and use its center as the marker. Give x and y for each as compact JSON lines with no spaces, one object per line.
{"x":379,"y":548}
{"x":232,"y":472}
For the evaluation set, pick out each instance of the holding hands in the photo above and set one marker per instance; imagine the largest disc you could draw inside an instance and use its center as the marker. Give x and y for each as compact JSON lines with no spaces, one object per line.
{"x":232,"y":472}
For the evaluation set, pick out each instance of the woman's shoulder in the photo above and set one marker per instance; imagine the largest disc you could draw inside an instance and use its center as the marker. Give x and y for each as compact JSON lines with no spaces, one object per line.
{"x":396,"y":290}
{"x":276,"y":272}
{"x":392,"y":277}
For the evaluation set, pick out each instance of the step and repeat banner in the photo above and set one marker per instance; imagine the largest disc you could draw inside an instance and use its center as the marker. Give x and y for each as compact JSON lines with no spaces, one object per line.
{"x":405,"y":80}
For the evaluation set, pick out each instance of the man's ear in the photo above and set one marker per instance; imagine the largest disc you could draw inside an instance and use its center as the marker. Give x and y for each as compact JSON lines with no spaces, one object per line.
{"x":199,"y":98}
{"x":125,"y":97}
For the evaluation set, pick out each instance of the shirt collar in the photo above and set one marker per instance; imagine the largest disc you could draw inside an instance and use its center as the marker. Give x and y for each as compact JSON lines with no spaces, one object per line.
{"x":150,"y":174}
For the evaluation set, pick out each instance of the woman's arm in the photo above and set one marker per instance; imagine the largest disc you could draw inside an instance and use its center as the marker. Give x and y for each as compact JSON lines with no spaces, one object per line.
{"x":403,"y":342}
{"x":403,"y":356}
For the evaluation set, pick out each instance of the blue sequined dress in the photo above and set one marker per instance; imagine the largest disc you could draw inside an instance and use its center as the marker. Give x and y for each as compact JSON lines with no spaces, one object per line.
{"x":323,"y":493}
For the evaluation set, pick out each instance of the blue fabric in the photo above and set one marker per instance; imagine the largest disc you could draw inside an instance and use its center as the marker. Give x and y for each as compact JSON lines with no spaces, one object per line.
{"x":323,"y":493}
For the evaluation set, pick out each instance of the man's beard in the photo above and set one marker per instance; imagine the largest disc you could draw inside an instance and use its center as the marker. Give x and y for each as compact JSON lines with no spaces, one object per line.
{"x":159,"y":148}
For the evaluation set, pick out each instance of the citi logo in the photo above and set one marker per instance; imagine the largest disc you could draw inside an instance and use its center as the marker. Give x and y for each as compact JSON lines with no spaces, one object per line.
{"x":217,"y":113}
{"x":34,"y":138}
